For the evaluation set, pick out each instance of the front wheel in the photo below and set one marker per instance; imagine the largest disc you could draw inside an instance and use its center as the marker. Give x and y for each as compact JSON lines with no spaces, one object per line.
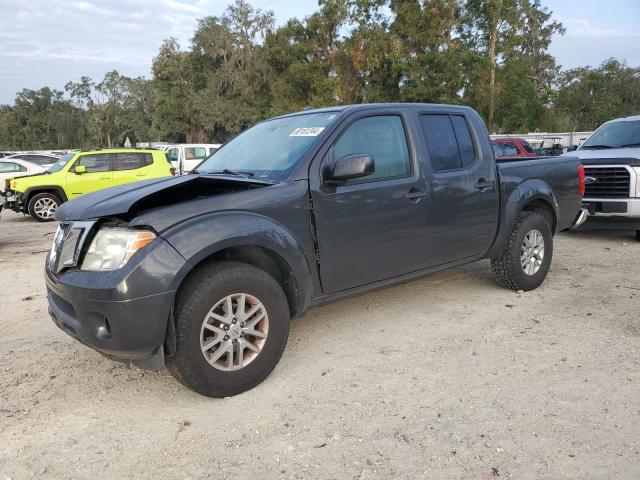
{"x":42,"y":206}
{"x":232,"y":325}
{"x":525,"y":261}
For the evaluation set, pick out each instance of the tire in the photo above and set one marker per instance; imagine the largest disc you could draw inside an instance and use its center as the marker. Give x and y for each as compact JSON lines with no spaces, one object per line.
{"x":204,"y":289}
{"x":638,"y":235}
{"x":37,"y":206}
{"x":508,"y":268}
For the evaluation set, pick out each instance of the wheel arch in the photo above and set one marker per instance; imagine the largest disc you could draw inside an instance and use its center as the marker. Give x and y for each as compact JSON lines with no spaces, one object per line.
{"x":54,"y":189}
{"x":258,"y":256}
{"x":250,"y":238}
{"x":532,"y":195}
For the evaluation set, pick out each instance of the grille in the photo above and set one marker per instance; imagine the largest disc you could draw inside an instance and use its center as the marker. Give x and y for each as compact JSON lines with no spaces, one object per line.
{"x":611,"y":182}
{"x":68,"y":244}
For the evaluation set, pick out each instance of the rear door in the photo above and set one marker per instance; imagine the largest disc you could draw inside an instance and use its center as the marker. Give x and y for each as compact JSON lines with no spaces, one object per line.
{"x":372,"y":228}
{"x":463,"y":206}
{"x":131,"y":167}
{"x":98,"y":174}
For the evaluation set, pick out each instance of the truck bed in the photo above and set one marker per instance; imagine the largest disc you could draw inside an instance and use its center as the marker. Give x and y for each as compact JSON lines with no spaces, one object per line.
{"x":555,"y":173}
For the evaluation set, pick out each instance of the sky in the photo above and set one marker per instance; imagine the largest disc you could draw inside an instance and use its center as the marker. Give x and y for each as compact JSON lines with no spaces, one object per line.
{"x":49,"y":42}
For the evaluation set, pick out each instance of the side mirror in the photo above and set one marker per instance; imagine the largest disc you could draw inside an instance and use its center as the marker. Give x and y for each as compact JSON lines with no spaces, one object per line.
{"x":349,"y":167}
{"x":80,"y":169}
{"x":572,"y":148}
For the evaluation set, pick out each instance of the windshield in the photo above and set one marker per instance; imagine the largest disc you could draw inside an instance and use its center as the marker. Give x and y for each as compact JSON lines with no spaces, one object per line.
{"x":615,"y":135}
{"x":59,"y":165}
{"x":269,"y":149}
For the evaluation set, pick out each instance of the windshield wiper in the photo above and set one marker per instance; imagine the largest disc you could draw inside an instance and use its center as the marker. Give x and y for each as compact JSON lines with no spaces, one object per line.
{"x":226,"y":171}
{"x":630,"y":145}
{"x":595,"y":147}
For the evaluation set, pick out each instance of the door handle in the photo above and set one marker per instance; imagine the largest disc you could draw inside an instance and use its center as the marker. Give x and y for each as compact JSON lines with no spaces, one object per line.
{"x":415,"y":195}
{"x":105,"y":178}
{"x":483,"y":184}
{"x":141,"y":174}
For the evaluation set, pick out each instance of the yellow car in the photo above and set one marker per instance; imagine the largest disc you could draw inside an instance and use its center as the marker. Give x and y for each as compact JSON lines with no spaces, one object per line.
{"x":78,"y":173}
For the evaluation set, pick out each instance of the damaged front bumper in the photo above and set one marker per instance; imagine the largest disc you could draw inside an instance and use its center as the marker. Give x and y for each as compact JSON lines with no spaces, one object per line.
{"x":12,"y":200}
{"x":124,"y":313}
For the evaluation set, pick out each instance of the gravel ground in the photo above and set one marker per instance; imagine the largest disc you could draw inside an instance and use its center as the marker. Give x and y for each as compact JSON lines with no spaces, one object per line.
{"x":444,"y":377}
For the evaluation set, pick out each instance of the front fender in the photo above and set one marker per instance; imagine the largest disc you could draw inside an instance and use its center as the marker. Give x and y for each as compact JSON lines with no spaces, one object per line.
{"x":199,"y":238}
{"x":524,"y":194}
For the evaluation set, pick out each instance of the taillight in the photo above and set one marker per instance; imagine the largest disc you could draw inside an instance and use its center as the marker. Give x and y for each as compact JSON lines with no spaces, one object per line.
{"x":173,"y":170}
{"x":581,"y":183}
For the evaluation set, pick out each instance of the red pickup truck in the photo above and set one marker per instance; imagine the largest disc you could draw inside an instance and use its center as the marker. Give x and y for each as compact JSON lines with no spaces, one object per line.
{"x":512,"y":148}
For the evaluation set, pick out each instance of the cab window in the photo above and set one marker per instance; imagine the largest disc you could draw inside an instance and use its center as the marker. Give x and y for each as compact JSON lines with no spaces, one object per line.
{"x":97,"y":162}
{"x":173,"y":154}
{"x":509,"y":149}
{"x":383,"y":138}
{"x":195,"y":153}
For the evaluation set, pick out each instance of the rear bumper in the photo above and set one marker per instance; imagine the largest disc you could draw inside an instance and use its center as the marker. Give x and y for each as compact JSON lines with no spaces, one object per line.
{"x":581,"y":217}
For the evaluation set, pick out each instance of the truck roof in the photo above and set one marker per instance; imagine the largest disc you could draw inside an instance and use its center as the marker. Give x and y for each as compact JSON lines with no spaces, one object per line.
{"x":369,"y":106}
{"x":632,"y":118}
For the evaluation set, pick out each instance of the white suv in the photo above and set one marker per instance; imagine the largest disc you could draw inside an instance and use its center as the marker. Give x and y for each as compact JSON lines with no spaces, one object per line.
{"x":185,"y":157}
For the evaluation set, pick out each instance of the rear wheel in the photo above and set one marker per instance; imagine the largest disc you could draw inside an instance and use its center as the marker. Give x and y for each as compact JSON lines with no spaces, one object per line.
{"x":232,"y":325}
{"x":42,"y":206}
{"x":525,"y":261}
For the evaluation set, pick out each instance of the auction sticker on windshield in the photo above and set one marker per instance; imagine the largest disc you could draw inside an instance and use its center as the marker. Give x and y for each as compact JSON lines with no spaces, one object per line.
{"x":306,"y":132}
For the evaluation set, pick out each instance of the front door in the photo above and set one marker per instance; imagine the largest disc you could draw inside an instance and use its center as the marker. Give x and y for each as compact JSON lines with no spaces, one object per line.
{"x":371,"y":228}
{"x":464,"y":203}
{"x":97,"y":174}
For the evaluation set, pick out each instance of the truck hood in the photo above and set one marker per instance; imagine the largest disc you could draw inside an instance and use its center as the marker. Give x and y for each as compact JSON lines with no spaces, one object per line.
{"x":128,"y":201}
{"x":626,"y":156}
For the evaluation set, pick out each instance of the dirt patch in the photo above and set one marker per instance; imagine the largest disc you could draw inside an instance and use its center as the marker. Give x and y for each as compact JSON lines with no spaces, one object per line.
{"x":444,"y":377}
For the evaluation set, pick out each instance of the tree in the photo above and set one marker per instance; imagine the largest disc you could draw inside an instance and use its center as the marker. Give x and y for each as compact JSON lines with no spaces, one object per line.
{"x":588,"y":97}
{"x":172,"y":116}
{"x":231,"y":72}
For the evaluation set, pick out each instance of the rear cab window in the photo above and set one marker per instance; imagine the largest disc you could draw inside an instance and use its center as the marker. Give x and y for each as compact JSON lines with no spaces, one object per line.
{"x":528,"y":148}
{"x":449,"y":141}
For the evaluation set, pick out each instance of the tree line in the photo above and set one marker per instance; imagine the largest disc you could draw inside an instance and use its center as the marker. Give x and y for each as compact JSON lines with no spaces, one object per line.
{"x":240,"y":68}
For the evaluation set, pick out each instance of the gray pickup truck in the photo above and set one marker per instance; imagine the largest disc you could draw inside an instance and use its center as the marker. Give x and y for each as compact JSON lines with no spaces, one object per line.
{"x":203,"y":272}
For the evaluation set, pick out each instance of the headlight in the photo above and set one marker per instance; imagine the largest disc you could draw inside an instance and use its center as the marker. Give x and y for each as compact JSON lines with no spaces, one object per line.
{"x":637,"y":170}
{"x":112,"y":248}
